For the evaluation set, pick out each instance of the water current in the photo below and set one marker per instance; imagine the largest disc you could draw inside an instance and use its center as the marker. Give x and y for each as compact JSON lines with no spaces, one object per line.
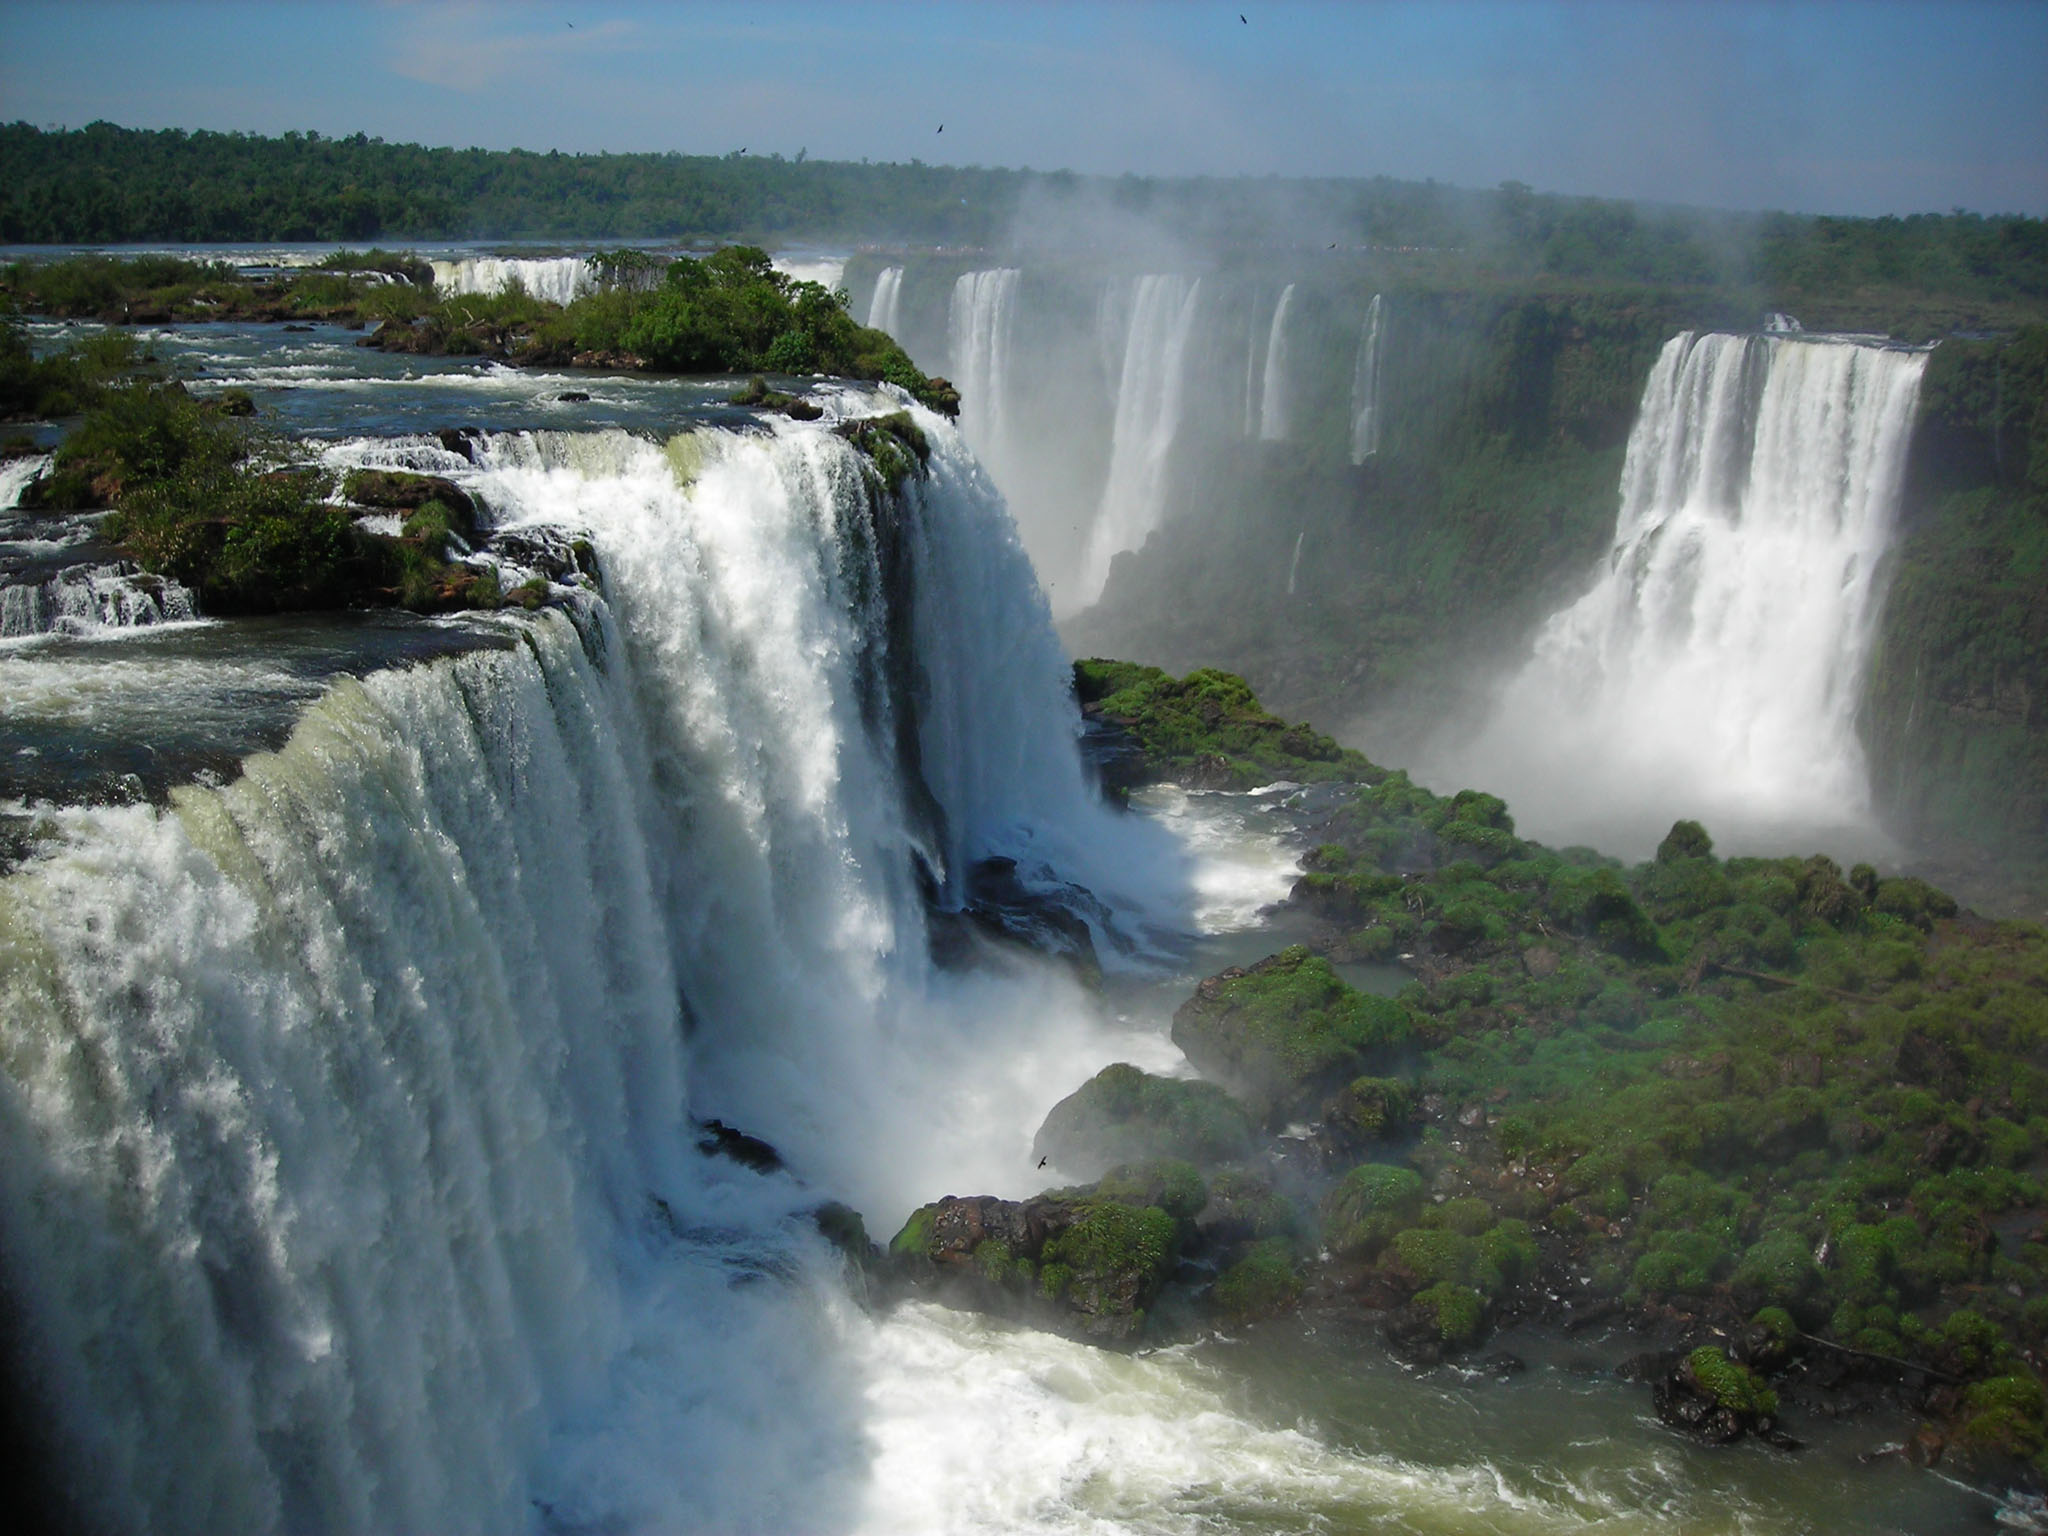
{"x":359,"y":981}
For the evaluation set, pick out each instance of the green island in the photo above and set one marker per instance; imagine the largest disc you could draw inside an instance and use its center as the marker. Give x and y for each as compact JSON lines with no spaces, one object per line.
{"x":200,"y":493}
{"x":1786,"y":1121}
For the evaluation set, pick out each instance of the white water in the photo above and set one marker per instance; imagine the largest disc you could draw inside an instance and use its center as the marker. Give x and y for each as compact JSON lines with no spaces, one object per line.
{"x":886,"y":300}
{"x":1365,"y":386}
{"x":978,"y":328}
{"x":1715,"y":667}
{"x":1150,"y":385}
{"x":352,"y":1187}
{"x":15,"y":475}
{"x":1294,"y":563}
{"x":88,"y":599}
{"x":1273,"y":398}
{"x":557,"y":279}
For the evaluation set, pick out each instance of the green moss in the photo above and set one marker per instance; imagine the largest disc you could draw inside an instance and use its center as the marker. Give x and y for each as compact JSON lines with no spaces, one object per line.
{"x":1124,"y":1115}
{"x":1458,"y":1311}
{"x":1732,"y":1386}
{"x":915,"y":1239}
{"x":1261,"y":1283}
{"x":2003,"y":1416}
{"x":1175,"y":1187}
{"x":1369,"y":1205}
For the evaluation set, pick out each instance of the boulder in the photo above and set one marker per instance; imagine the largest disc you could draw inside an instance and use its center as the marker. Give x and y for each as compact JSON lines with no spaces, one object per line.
{"x":398,"y":491}
{"x":1124,"y":1115}
{"x":1283,"y":1033}
{"x":1718,"y":1400}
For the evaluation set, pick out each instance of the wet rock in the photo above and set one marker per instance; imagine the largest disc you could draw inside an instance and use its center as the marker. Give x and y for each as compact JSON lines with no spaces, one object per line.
{"x":721,"y":1140}
{"x":1124,"y":1115}
{"x":1718,"y":1400}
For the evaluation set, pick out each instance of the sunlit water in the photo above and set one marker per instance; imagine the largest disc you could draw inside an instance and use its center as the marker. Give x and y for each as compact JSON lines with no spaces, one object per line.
{"x":348,"y":1182}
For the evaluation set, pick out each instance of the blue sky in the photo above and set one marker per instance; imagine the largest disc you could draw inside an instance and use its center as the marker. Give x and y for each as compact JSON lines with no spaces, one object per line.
{"x":1846,"y":107}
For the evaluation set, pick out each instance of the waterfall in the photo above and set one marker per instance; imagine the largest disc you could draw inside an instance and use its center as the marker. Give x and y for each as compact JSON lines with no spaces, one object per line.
{"x":1365,"y":386}
{"x":888,"y":298}
{"x":557,"y":279}
{"x":16,"y":474}
{"x":86,"y":598}
{"x":1149,"y":388}
{"x":1294,"y":564}
{"x":1716,"y":665}
{"x":1273,"y":400}
{"x":346,"y":1179}
{"x":978,"y":326}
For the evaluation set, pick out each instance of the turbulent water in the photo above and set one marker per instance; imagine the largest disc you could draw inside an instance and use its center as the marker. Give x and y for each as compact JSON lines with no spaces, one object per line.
{"x":1714,"y":667}
{"x":348,"y":1179}
{"x":1365,"y":385}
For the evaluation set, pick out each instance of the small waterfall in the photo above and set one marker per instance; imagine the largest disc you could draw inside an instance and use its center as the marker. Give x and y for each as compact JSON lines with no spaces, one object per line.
{"x":557,"y":279}
{"x":87,"y":599}
{"x":1365,"y":386}
{"x":978,"y":325}
{"x":1294,"y":565}
{"x":887,"y":299}
{"x":1251,"y":370}
{"x":17,"y":474}
{"x":1716,"y":665}
{"x":1150,"y":383}
{"x":1273,"y":398}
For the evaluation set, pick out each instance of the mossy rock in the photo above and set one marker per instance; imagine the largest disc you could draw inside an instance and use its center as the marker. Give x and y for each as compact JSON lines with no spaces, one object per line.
{"x":1175,"y":1187}
{"x":1368,"y":1110}
{"x":1114,"y":1258}
{"x":1124,"y":1115}
{"x":1263,"y":1283}
{"x":1457,"y":1311}
{"x":1366,"y":1207}
{"x":393,"y":490}
{"x":1280,"y":1033}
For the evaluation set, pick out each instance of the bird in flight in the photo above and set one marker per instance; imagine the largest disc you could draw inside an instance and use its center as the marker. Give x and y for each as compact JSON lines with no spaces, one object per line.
{"x":942,"y":127}
{"x":1240,"y":17}
{"x":1042,"y":1161}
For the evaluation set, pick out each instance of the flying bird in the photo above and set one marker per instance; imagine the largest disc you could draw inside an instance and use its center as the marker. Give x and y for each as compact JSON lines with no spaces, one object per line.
{"x":1240,"y":17}
{"x":1042,"y":1160}
{"x":942,"y":127}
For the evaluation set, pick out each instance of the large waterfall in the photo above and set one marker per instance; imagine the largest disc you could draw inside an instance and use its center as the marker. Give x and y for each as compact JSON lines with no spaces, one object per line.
{"x":1150,"y":383}
{"x":979,"y":325}
{"x":1273,"y":398}
{"x":557,"y":279}
{"x":346,"y":1173}
{"x":887,"y":300}
{"x":1715,"y":667}
{"x":1365,"y":385}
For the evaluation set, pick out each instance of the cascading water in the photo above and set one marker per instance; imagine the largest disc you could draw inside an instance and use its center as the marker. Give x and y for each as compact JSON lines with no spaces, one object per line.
{"x":1715,"y":668}
{"x":978,"y":326}
{"x":886,"y":300}
{"x":350,"y":1187}
{"x":557,"y":279}
{"x":1150,"y":383}
{"x":1273,"y":398}
{"x":83,"y":599}
{"x":1365,"y":386}
{"x":16,"y":475}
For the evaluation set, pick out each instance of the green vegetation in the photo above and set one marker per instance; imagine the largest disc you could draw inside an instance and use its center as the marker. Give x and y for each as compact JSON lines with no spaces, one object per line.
{"x":1960,"y":757}
{"x":1286,"y":1029}
{"x":1263,"y":1282}
{"x":103,"y":183}
{"x":1207,"y":730}
{"x":63,"y":383}
{"x":1124,"y":1115}
{"x":1731,"y":1386}
{"x":203,"y":498}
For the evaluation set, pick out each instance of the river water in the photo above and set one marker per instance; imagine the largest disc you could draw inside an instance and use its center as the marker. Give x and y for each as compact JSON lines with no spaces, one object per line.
{"x":358,"y":976}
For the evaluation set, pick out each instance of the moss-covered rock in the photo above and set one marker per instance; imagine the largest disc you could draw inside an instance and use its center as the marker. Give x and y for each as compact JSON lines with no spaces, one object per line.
{"x":1282,"y":1033}
{"x":1716,"y":1398}
{"x":1366,"y":1207}
{"x":1124,"y":1115}
{"x":1264,"y":1282}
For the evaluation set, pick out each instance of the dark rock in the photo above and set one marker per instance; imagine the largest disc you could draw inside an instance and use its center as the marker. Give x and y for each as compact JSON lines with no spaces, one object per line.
{"x":462,"y":440}
{"x":573,"y":396}
{"x":1718,"y":1400}
{"x":721,"y":1140}
{"x":398,"y":491}
{"x":1051,"y":918}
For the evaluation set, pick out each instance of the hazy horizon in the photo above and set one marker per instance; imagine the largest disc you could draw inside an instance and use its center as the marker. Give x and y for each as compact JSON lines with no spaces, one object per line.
{"x":1808,"y":108}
